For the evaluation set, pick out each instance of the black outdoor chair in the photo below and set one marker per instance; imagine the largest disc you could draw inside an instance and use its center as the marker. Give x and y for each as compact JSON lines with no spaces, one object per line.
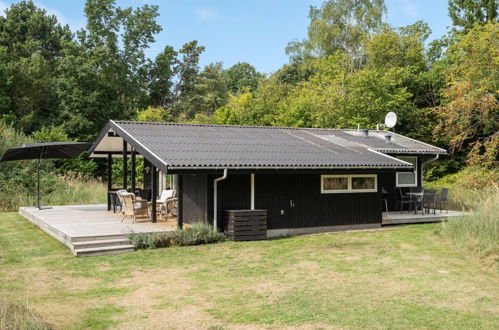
{"x":403,"y":200}
{"x":442,"y":200}
{"x":416,"y":200}
{"x":428,"y":201}
{"x":385,"y":198}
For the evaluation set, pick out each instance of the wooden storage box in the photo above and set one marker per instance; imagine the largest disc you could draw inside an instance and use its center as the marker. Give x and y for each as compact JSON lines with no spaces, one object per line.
{"x":246,"y":225}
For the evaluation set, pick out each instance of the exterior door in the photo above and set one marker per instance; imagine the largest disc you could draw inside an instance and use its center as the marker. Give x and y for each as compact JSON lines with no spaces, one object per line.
{"x":272,"y":194}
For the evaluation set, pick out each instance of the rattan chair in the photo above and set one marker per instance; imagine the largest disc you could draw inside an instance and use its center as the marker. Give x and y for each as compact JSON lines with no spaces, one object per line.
{"x":122,"y":203}
{"x":134,"y":208}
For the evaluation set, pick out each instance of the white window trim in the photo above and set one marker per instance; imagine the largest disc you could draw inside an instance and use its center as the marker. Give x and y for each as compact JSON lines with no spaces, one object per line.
{"x":349,"y":190}
{"x":402,"y":185}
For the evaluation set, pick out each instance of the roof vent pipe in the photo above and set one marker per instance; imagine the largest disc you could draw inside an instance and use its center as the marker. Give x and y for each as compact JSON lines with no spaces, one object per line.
{"x":215,"y":198}
{"x":388,"y":138}
{"x":365,"y":132}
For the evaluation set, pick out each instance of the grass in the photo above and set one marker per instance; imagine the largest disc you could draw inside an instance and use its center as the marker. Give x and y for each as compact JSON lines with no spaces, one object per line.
{"x":478,"y":231}
{"x":67,"y":191}
{"x":19,"y":316}
{"x":403,"y":277}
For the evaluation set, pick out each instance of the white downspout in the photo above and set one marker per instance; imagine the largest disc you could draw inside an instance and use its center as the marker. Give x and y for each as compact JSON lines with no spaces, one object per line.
{"x":252,"y":204}
{"x":223,"y":177}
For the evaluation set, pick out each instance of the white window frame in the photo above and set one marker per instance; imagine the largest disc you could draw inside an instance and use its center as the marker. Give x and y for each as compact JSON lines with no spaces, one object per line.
{"x":349,"y":190}
{"x":415,"y":184}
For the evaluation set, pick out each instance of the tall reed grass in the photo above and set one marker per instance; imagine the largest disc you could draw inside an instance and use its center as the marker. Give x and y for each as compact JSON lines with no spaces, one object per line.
{"x":478,"y":231}
{"x":64,"y":191}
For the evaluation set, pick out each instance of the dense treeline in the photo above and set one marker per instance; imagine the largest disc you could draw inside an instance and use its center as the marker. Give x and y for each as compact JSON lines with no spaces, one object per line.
{"x":351,"y":70}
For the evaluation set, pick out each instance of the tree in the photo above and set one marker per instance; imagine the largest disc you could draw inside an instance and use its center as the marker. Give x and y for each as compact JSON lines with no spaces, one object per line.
{"x":465,"y":13}
{"x":242,"y":75}
{"x":104,"y":74}
{"x":210,"y":90}
{"x":152,"y":114}
{"x":32,"y":43}
{"x":163,"y":73}
{"x":469,"y":115}
{"x":188,"y":71}
{"x":340,"y":25}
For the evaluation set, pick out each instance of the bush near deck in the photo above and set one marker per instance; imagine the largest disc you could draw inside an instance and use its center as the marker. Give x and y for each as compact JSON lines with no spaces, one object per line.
{"x":403,"y":277}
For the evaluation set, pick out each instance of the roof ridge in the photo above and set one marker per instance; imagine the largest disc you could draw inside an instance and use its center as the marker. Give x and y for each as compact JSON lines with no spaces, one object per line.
{"x":242,"y":126}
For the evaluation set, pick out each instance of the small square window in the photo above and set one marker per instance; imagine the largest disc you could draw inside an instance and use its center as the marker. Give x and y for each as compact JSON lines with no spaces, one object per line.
{"x":363,"y":183}
{"x":408,"y":179}
{"x":335,"y":183}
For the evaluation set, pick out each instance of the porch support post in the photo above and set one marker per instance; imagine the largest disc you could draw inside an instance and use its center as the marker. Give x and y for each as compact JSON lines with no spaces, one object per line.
{"x":252,"y":191}
{"x":109,"y":179}
{"x":132,"y":175}
{"x":180,"y":202}
{"x":154,"y":188}
{"x":125,"y":169}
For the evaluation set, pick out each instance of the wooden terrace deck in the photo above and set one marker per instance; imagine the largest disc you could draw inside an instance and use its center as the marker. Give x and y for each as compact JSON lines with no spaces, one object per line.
{"x":398,"y":218}
{"x":91,"y":229}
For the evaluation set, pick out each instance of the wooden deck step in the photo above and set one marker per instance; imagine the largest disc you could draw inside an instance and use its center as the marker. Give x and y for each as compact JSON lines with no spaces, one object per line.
{"x":96,"y":251}
{"x":97,"y":238}
{"x":100,"y":243}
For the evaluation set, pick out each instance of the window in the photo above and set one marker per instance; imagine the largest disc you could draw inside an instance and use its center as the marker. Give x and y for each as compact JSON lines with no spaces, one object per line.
{"x":331,"y":184}
{"x":408,"y":179}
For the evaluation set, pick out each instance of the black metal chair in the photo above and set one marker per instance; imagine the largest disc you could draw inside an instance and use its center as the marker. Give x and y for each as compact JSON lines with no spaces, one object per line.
{"x":385,"y":198}
{"x":416,"y":200}
{"x":442,"y":200}
{"x":403,"y":200}
{"x":428,"y":201}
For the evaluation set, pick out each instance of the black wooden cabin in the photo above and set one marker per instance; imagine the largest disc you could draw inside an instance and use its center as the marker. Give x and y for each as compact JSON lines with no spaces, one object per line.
{"x":308,"y":180}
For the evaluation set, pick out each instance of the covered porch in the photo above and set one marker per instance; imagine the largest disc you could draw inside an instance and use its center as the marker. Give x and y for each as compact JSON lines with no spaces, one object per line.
{"x":141,"y":174}
{"x":90,"y":229}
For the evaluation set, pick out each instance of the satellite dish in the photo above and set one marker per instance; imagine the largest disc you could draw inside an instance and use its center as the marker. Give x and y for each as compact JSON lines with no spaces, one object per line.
{"x":390,"y":119}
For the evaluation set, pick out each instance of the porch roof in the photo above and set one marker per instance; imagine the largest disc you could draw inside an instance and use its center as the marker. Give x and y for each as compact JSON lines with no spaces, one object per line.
{"x":192,"y":146}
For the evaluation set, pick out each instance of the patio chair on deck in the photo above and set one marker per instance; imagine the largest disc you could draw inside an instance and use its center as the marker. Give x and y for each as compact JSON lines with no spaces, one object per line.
{"x":120,"y":200}
{"x":165,"y":201}
{"x":428,"y":201}
{"x":442,"y":200}
{"x":403,"y":200}
{"x":134,"y":208}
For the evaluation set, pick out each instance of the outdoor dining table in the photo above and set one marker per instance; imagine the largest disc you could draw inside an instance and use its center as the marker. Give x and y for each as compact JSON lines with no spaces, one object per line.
{"x":417,"y":198}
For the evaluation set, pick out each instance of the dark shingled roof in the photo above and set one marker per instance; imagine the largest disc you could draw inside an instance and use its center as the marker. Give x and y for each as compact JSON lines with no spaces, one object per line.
{"x":217,"y":146}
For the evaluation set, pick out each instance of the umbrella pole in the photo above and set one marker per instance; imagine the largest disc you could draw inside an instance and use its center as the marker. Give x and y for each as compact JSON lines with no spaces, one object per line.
{"x":38,"y":183}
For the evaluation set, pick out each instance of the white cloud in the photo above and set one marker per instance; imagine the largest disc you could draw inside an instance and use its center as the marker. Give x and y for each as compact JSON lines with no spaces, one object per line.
{"x":207,"y":14}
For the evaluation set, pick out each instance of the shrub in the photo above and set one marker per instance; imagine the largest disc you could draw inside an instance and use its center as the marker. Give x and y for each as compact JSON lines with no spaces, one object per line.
{"x":17,"y":316}
{"x":468,"y":187}
{"x":198,"y":233}
{"x":477,"y":231}
{"x":150,"y":240}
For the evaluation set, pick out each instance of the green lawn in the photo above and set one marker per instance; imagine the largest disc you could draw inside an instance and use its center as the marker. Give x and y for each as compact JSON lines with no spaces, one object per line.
{"x":403,"y":277}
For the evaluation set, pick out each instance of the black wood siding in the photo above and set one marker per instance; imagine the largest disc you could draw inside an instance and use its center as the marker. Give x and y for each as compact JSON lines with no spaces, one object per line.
{"x":297,"y":195}
{"x":195,"y":198}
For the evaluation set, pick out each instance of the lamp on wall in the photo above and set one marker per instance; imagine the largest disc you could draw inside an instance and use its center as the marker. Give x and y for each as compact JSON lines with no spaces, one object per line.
{"x":147,"y":169}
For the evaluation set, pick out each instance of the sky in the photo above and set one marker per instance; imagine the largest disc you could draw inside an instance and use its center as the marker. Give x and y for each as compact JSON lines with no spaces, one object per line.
{"x":253,"y":31}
